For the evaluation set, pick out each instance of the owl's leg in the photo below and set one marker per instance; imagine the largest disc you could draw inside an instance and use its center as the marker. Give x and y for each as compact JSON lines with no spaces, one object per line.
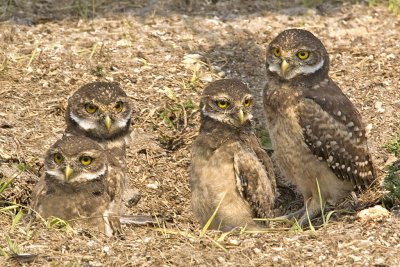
{"x":312,"y":207}
{"x":292,"y":215}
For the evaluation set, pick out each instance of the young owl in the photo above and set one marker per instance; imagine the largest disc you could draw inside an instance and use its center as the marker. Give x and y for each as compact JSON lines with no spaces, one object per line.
{"x":317,"y":134}
{"x":228,"y":165}
{"x":81,"y":181}
{"x":102,"y":111}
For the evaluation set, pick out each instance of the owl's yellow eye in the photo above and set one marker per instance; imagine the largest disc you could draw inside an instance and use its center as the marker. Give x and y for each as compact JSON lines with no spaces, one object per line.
{"x":90,"y":108}
{"x":247,"y":103}
{"x":85,"y":160}
{"x":277,"y":52}
{"x":303,"y":55}
{"x":58,"y":158}
{"x":119,"y":106}
{"x":222,"y":104}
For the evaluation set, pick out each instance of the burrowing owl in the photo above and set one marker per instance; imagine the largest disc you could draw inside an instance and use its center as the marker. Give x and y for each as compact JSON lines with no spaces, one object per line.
{"x":81,"y":181}
{"x":228,"y":165}
{"x":102,"y":112}
{"x":317,"y":133}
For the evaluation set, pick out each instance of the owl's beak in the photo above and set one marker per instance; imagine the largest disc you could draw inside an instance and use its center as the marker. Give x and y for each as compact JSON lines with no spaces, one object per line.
{"x":284,"y":67}
{"x":67,"y":172}
{"x":107,"y":122}
{"x":240,"y":116}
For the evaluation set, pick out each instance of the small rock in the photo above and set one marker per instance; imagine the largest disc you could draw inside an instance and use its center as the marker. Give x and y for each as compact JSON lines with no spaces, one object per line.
{"x":221,"y":260}
{"x":355,"y":258}
{"x":379,"y":107}
{"x":257,"y":250}
{"x":375,"y":213}
{"x":234,"y":242}
{"x":152,"y":186}
{"x":379,"y":261}
{"x":95,"y":264}
{"x":146,"y":239}
{"x":368,"y":128}
{"x":106,"y":249}
{"x":90,"y":243}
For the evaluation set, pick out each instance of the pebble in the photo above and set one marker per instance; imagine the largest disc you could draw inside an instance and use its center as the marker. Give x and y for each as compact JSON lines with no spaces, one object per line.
{"x":375,"y":213}
{"x":152,"y":186}
{"x":379,"y":107}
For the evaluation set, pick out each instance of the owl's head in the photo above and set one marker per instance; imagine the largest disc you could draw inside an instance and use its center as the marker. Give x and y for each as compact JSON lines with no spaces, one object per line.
{"x":76,"y":159}
{"x":228,"y":101}
{"x":100,"y":109}
{"x":297,"y":53}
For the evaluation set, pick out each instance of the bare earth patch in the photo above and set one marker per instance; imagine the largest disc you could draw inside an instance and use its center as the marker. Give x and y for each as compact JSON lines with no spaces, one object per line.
{"x":163,"y":55}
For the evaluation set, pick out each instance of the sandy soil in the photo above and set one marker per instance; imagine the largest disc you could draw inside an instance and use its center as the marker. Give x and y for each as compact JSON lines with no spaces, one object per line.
{"x":163,"y":53}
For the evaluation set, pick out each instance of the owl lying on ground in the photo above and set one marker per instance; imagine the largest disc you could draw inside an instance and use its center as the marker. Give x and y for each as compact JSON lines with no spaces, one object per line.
{"x":317,"y":134}
{"x":230,"y":173}
{"x":81,"y":181}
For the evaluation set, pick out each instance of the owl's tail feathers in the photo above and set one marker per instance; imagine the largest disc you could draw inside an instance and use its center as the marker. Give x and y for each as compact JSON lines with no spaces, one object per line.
{"x":156,"y":220}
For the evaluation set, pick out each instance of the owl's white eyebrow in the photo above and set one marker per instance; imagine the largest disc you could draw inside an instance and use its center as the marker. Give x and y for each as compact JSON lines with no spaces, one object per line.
{"x":274,"y":68}
{"x":90,"y":176}
{"x":313,"y":68}
{"x":56,"y":173}
{"x":85,"y":124}
{"x":122,"y":122}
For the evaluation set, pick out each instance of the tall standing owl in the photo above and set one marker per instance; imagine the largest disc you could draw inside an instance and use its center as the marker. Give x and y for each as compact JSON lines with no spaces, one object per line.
{"x":317,"y":134}
{"x":229,"y":169}
{"x":81,"y":181}
{"x":102,"y":111}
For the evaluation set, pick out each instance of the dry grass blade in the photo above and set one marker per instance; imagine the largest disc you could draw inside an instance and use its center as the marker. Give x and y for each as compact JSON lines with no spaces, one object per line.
{"x":207,"y":225}
{"x":16,"y":219}
{"x":321,"y":203}
{"x":308,"y":218}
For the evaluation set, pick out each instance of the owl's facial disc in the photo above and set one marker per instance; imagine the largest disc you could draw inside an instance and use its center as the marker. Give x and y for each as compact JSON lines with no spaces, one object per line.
{"x":76,"y":170}
{"x":231,"y":112}
{"x":104,"y":120}
{"x":289,"y":65}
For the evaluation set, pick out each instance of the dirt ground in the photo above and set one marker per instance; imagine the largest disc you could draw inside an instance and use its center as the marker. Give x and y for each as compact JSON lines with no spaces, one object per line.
{"x":163,"y":53}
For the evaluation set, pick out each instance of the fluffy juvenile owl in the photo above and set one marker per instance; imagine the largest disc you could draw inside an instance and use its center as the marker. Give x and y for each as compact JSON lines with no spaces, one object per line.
{"x":228,"y":165}
{"x":100,"y":111}
{"x":80,"y":182}
{"x":317,"y":133}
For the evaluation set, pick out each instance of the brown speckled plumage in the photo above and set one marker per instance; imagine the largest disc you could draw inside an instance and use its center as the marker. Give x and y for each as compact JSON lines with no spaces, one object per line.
{"x":105,"y":97}
{"x":316,"y":131}
{"x":228,"y":164}
{"x":89,"y":193}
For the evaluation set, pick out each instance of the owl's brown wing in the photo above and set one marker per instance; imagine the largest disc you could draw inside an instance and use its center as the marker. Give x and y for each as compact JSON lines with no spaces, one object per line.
{"x":253,"y":182}
{"x":264,"y":158}
{"x":334,"y":132}
{"x":39,"y":190}
{"x":115,"y":189}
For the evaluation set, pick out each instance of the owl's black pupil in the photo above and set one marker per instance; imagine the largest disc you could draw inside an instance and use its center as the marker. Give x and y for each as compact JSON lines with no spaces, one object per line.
{"x":90,"y":106}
